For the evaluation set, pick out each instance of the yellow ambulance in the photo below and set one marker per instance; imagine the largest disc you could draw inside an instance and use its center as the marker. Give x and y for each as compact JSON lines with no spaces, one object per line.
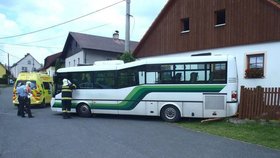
{"x":41,"y":88}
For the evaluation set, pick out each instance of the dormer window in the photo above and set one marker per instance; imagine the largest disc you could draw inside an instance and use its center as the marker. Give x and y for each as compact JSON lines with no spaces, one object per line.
{"x":185,"y":25}
{"x":220,"y":18}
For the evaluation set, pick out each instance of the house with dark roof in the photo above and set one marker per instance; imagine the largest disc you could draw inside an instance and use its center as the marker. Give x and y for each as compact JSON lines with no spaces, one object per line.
{"x":50,"y":63}
{"x":3,"y":70}
{"x":3,"y":73}
{"x":246,"y":29}
{"x":27,"y":64}
{"x":82,"y":49}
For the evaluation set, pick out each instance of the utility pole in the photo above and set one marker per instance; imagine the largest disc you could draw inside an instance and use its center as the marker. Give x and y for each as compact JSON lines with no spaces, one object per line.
{"x":8,"y":62}
{"x":9,"y":68}
{"x":127,"y":27}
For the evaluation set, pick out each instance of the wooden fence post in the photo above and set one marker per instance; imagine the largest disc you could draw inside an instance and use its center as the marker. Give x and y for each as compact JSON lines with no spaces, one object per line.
{"x":241,"y":105}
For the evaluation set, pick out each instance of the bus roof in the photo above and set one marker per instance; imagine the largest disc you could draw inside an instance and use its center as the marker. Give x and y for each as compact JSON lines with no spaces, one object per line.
{"x":115,"y":65}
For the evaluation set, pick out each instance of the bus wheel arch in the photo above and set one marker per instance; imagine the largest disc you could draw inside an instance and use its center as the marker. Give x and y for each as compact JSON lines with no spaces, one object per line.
{"x":83,"y":110}
{"x":170,"y":113}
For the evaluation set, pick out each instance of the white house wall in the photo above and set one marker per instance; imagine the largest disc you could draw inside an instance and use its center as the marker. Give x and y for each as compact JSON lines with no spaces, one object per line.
{"x":99,"y":56}
{"x":74,"y":59}
{"x":15,"y":70}
{"x":89,"y":57}
{"x":271,"y":65}
{"x":51,"y":71}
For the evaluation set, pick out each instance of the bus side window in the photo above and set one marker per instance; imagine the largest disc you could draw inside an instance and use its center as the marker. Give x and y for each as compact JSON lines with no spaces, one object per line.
{"x":152,"y":77}
{"x":141,"y":75}
{"x":104,"y":80}
{"x":219,"y":72}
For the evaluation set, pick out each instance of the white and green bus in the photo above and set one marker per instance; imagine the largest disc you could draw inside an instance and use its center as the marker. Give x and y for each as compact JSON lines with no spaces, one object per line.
{"x":195,"y":87}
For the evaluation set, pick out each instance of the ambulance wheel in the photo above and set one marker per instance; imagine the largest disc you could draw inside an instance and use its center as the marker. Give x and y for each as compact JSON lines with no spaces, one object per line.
{"x":43,"y":104}
{"x":170,"y":113}
{"x":83,"y":110}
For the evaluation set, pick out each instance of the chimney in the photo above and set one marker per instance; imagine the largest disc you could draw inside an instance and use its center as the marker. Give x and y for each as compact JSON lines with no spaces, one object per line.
{"x":116,"y":35}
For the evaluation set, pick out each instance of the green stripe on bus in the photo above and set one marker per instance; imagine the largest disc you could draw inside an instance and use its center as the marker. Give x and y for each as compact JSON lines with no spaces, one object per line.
{"x":139,"y":92}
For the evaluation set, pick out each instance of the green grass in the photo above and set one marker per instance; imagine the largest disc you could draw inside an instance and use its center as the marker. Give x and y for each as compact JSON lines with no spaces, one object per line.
{"x":265,"y":134}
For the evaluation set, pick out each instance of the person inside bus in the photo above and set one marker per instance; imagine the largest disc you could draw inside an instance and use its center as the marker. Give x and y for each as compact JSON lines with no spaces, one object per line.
{"x":194,"y":76}
{"x":177,"y":77}
{"x":67,"y":88}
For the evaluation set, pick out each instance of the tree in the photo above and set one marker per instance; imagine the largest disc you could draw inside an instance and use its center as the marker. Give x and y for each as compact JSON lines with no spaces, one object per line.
{"x":127,"y":57}
{"x":59,"y":64}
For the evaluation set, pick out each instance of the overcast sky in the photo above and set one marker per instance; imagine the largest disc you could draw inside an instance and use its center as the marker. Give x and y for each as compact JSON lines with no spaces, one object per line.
{"x":24,"y":16}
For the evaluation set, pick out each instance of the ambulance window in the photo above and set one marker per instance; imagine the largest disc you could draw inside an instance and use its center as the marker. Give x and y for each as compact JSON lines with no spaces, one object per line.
{"x":33,"y":85}
{"x":46,"y":85}
{"x":23,"y":82}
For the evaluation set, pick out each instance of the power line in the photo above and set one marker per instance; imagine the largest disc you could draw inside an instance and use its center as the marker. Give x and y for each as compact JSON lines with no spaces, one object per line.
{"x":94,"y":27}
{"x":24,"y":45}
{"x":47,"y":39}
{"x":62,"y":22}
{"x":57,"y":37}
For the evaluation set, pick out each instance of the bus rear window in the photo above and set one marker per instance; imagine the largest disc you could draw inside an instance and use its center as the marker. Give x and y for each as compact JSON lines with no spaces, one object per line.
{"x":23,"y":82}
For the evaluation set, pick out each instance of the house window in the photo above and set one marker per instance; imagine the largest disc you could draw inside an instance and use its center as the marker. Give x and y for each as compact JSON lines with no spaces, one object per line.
{"x":23,"y":68}
{"x":185,"y":25}
{"x":220,"y":17}
{"x":29,"y":62}
{"x":255,"y":66}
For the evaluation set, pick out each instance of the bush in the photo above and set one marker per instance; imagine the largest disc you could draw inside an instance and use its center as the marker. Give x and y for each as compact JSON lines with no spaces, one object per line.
{"x":4,"y":80}
{"x":127,"y":57}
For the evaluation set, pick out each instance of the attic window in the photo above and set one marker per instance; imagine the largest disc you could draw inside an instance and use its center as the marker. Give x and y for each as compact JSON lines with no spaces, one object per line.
{"x":220,"y":18}
{"x":185,"y":25}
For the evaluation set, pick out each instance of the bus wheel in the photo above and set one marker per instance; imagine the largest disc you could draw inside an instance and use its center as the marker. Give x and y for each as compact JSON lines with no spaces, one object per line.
{"x":83,"y":110}
{"x":170,"y":113}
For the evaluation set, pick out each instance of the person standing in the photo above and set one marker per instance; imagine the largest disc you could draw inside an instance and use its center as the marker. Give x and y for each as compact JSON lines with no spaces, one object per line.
{"x":20,"y":95}
{"x":67,"y":88}
{"x":28,"y":99}
{"x":22,"y":99}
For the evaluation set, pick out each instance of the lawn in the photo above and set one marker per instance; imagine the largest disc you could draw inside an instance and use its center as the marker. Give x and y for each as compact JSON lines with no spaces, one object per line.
{"x":262,"y":133}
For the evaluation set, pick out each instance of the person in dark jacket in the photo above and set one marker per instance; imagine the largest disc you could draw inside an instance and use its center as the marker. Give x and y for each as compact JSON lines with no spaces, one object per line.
{"x":22,"y":92}
{"x":66,"y":97}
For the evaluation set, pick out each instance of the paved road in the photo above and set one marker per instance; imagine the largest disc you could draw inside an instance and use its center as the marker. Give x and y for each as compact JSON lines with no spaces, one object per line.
{"x":49,"y":136}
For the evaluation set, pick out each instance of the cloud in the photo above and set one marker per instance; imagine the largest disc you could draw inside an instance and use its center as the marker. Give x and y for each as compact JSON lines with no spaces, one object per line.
{"x":7,"y":26}
{"x":19,"y":16}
